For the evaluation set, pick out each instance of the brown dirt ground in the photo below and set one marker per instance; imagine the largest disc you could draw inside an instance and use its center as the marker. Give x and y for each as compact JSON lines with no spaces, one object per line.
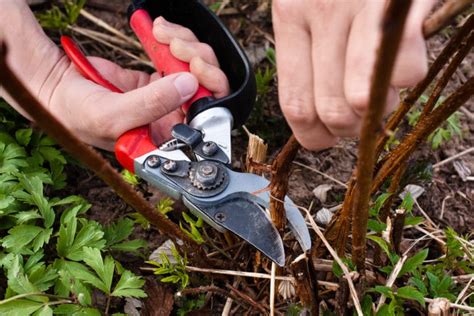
{"x":252,"y":27}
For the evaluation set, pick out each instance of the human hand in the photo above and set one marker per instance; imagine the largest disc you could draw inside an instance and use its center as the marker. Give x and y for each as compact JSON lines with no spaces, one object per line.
{"x":326,"y":51}
{"x":96,"y":115}
{"x":99,"y":116}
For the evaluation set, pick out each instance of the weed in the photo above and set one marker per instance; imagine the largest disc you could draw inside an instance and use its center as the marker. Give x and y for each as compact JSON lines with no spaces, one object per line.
{"x":58,"y":18}
{"x":173,"y":271}
{"x":53,"y":257}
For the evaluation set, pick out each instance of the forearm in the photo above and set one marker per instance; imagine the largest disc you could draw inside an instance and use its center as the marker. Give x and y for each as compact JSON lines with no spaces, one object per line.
{"x":31,"y":54}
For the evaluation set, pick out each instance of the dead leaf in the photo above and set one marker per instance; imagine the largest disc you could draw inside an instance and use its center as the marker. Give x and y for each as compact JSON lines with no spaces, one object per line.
{"x":321,"y":192}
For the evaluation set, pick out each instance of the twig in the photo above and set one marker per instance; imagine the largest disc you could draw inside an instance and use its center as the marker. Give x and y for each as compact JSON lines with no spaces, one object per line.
{"x":247,"y":298}
{"x":272,"y":289}
{"x":244,"y":274}
{"x":453,"y":305}
{"x":445,"y":161}
{"x":464,"y":290}
{"x":344,"y":268}
{"x":89,"y":157}
{"x":321,"y":173}
{"x":393,"y":25}
{"x":109,"y":28}
{"x":444,"y":15}
{"x":121,"y":50}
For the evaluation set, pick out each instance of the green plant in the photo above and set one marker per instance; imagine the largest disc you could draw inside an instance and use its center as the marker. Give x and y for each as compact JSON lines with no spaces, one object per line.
{"x":450,"y":128}
{"x":61,"y":18}
{"x":165,"y":205}
{"x":173,"y":271}
{"x":130,"y":178}
{"x":186,"y":304}
{"x":194,"y":225}
{"x":52,"y":256}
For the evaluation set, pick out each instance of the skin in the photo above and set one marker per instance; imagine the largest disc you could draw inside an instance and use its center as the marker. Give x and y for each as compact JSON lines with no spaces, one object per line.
{"x":325,"y":56}
{"x":91,"y":111}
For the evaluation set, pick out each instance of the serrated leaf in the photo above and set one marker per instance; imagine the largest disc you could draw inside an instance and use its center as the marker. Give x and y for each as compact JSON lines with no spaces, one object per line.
{"x":20,"y":237}
{"x":410,"y":293}
{"x":129,"y":285}
{"x":44,"y":311}
{"x":414,"y":262}
{"x":12,"y":157}
{"x":79,"y":271}
{"x":19,"y":307}
{"x":118,"y":231}
{"x":103,"y":268}
{"x":23,"y":136}
{"x":379,"y":202}
{"x":51,"y":154}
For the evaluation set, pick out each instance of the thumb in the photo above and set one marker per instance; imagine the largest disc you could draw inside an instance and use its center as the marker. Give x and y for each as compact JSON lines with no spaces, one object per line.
{"x":153,"y":101}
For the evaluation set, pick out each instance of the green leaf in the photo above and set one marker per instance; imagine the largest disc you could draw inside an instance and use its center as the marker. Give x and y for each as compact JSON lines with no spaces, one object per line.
{"x":12,"y":157}
{"x":19,"y":237}
{"x":23,"y":136}
{"x":129,"y":285}
{"x":118,"y":231}
{"x":103,"y":268}
{"x":410,"y":293}
{"x":44,"y":311}
{"x":408,"y":202}
{"x":130,"y":178}
{"x":381,"y":242}
{"x":413,"y":220}
{"x":385,"y":290}
{"x":130,"y":246}
{"x":19,"y":307}
{"x":379,"y":202}
{"x":414,"y":262}
{"x":376,"y":226}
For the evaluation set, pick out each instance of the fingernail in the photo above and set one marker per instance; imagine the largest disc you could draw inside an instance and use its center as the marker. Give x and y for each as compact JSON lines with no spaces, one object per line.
{"x":186,"y":85}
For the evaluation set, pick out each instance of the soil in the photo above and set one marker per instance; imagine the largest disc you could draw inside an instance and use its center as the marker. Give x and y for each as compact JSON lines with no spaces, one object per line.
{"x":448,"y":200}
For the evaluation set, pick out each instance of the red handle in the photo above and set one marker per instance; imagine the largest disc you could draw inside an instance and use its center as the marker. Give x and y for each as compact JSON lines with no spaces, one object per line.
{"x":132,"y":144}
{"x":160,"y":54}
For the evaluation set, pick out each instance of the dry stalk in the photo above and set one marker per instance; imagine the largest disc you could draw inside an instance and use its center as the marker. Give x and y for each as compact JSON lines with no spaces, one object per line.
{"x":441,"y":17}
{"x":110,"y":28}
{"x":392,"y":30}
{"x":256,"y":153}
{"x":306,"y":290}
{"x":281,"y":168}
{"x":90,"y":158}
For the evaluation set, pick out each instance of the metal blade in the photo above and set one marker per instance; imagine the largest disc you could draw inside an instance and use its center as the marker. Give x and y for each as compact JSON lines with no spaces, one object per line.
{"x":247,"y":220}
{"x":215,"y":124}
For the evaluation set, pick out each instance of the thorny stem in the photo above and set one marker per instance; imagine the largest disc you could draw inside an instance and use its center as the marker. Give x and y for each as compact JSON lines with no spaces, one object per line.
{"x":392,"y":30}
{"x":281,"y":168}
{"x":418,"y":90}
{"x":423,"y":129}
{"x":444,"y":15}
{"x":89,"y":157}
{"x":464,"y":48}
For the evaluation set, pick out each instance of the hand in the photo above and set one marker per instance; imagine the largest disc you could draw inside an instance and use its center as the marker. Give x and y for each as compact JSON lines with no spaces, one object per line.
{"x":326,"y":51}
{"x":93,"y":113}
{"x":99,"y":116}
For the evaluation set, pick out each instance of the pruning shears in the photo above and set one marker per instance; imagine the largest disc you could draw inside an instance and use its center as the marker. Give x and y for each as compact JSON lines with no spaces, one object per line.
{"x":194,"y":165}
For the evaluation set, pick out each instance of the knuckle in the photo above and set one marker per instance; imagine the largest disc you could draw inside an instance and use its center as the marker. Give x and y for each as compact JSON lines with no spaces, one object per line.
{"x":358,"y":101}
{"x":298,"y":110}
{"x":337,"y":120}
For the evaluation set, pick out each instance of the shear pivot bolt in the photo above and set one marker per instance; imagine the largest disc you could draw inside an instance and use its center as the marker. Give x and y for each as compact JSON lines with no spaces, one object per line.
{"x":209,"y":149}
{"x":170,"y":165}
{"x":153,"y":161}
{"x":221,"y":217}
